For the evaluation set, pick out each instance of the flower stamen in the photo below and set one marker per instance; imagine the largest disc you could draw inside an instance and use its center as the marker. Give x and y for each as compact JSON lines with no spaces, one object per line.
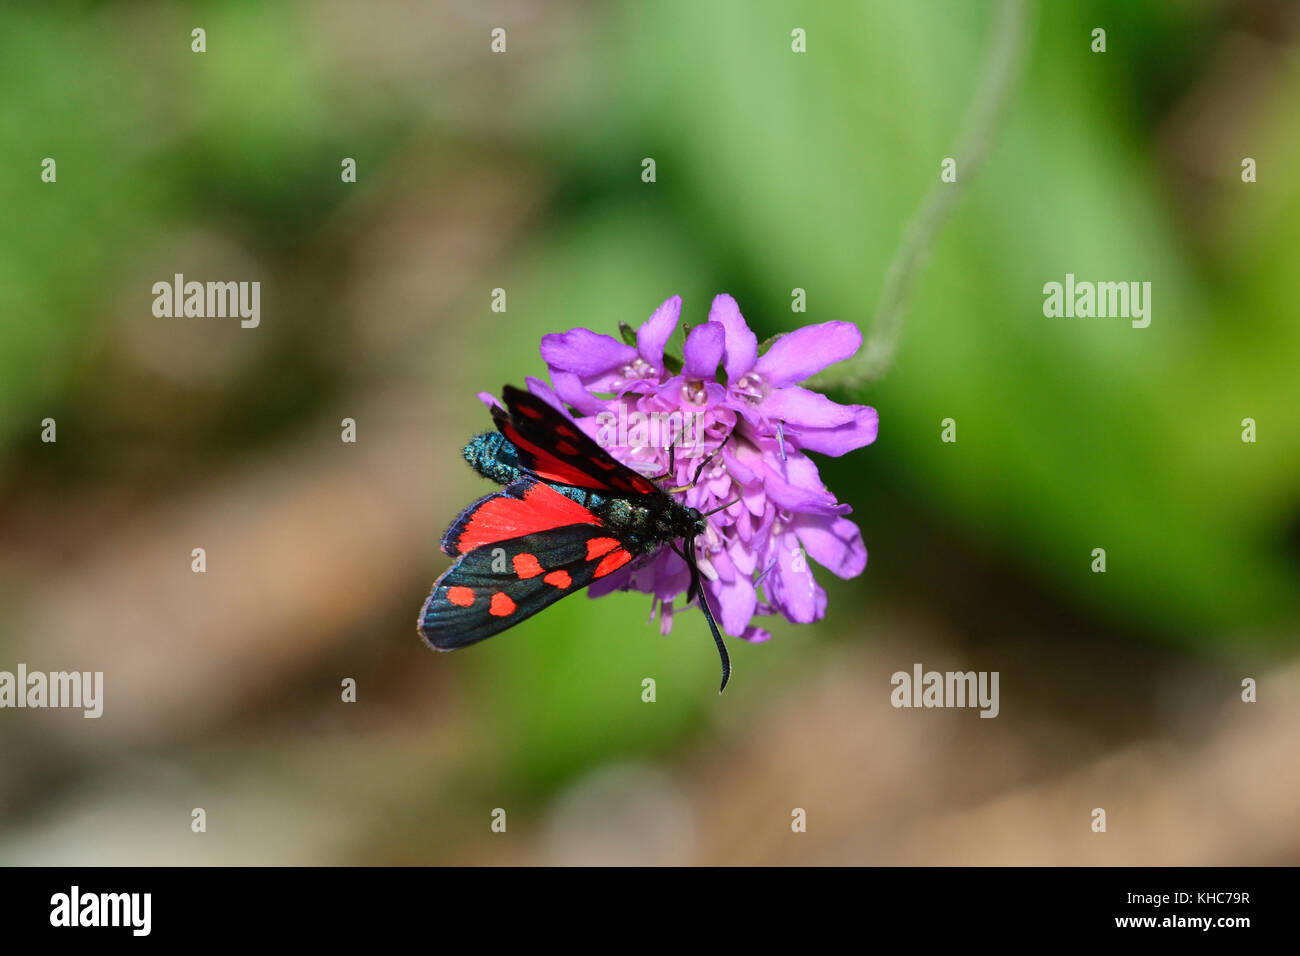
{"x":759,"y":580}
{"x":638,"y":369}
{"x":751,"y":388}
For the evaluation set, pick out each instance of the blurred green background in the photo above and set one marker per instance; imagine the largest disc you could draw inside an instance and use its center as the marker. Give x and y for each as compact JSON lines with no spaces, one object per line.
{"x":521,"y":170}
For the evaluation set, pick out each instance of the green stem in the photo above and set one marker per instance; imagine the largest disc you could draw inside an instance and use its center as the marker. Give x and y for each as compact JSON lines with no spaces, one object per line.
{"x":997,"y":83}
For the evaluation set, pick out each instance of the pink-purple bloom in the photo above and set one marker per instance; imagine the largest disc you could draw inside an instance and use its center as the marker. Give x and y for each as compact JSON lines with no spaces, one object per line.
{"x":753,"y":555}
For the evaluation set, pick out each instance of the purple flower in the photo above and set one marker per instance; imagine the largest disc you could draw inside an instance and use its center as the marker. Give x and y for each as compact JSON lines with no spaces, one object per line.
{"x":780,"y":512}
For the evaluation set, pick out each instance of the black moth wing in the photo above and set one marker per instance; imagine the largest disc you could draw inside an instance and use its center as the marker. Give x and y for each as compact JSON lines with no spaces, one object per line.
{"x":558,"y":452}
{"x":498,"y":585}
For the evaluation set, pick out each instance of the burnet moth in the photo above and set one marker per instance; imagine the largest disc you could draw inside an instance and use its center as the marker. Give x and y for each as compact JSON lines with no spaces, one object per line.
{"x":569,"y":514}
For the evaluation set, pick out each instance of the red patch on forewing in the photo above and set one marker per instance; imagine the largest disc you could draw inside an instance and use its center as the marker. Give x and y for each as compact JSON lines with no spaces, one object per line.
{"x":560,"y":579}
{"x":551,"y":468}
{"x":612,"y":562}
{"x":526,"y":566}
{"x":542,"y":508}
{"x":637,"y":484}
{"x":598,"y":546}
{"x":460,"y":596}
{"x":501,"y":605}
{"x":602,"y":464}
{"x":566,"y":431}
{"x":566,"y":448}
{"x":528,"y":410}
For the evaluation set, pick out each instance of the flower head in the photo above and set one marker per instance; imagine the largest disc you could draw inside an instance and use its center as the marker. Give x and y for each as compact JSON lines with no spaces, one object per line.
{"x":775,"y":511}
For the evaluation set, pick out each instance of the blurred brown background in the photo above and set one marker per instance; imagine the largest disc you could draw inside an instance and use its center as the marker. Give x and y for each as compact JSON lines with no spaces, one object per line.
{"x":522,"y":171}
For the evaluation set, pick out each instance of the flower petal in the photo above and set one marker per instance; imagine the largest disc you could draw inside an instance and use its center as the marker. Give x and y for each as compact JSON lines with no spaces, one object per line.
{"x":755,"y":500}
{"x":666,"y":618}
{"x":547,"y":394}
{"x":799,"y":406}
{"x":739,"y":471}
{"x":793,"y":498}
{"x":620,"y":580}
{"x":843,"y":438}
{"x":657,"y":330}
{"x":833,"y":542}
{"x":791,"y":584}
{"x":732,"y":603}
{"x":704,"y":351}
{"x":804,"y":352}
{"x":743,"y":558}
{"x":585,"y":352}
{"x":741,"y":343}
{"x":794,"y":485}
{"x":672,"y":575}
{"x":721,"y":562}
{"x":570,"y":388}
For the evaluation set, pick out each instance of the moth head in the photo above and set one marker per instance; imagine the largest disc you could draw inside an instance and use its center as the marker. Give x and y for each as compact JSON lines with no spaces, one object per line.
{"x":693,"y":523}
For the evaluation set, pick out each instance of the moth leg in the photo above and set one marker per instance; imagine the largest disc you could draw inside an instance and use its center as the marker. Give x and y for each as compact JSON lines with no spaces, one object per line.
{"x":672,"y":459}
{"x":699,"y":471}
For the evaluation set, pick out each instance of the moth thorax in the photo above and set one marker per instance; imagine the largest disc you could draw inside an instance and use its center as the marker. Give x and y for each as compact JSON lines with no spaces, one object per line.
{"x":686,"y":522}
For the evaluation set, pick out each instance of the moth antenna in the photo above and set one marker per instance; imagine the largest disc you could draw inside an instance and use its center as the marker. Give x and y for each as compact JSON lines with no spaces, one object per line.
{"x":714,"y":511}
{"x":698,"y":591}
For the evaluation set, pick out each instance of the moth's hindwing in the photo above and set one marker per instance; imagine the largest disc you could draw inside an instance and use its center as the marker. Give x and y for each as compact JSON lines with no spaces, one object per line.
{"x":499,"y":584}
{"x":525,"y":506}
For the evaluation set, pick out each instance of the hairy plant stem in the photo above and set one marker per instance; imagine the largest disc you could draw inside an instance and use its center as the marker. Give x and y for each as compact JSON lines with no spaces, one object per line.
{"x":997,"y":83}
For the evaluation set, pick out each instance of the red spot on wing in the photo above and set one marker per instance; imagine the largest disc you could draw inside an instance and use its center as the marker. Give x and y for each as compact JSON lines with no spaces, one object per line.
{"x":550,"y":467}
{"x":560,"y":579}
{"x":460,"y":596}
{"x":598,"y":546}
{"x":529,"y":410}
{"x":566,"y":431}
{"x":612,"y":562}
{"x":542,"y":508}
{"x":501,"y":605}
{"x":637,"y":483}
{"x":566,"y":448}
{"x":526,"y":566}
{"x":602,"y":464}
